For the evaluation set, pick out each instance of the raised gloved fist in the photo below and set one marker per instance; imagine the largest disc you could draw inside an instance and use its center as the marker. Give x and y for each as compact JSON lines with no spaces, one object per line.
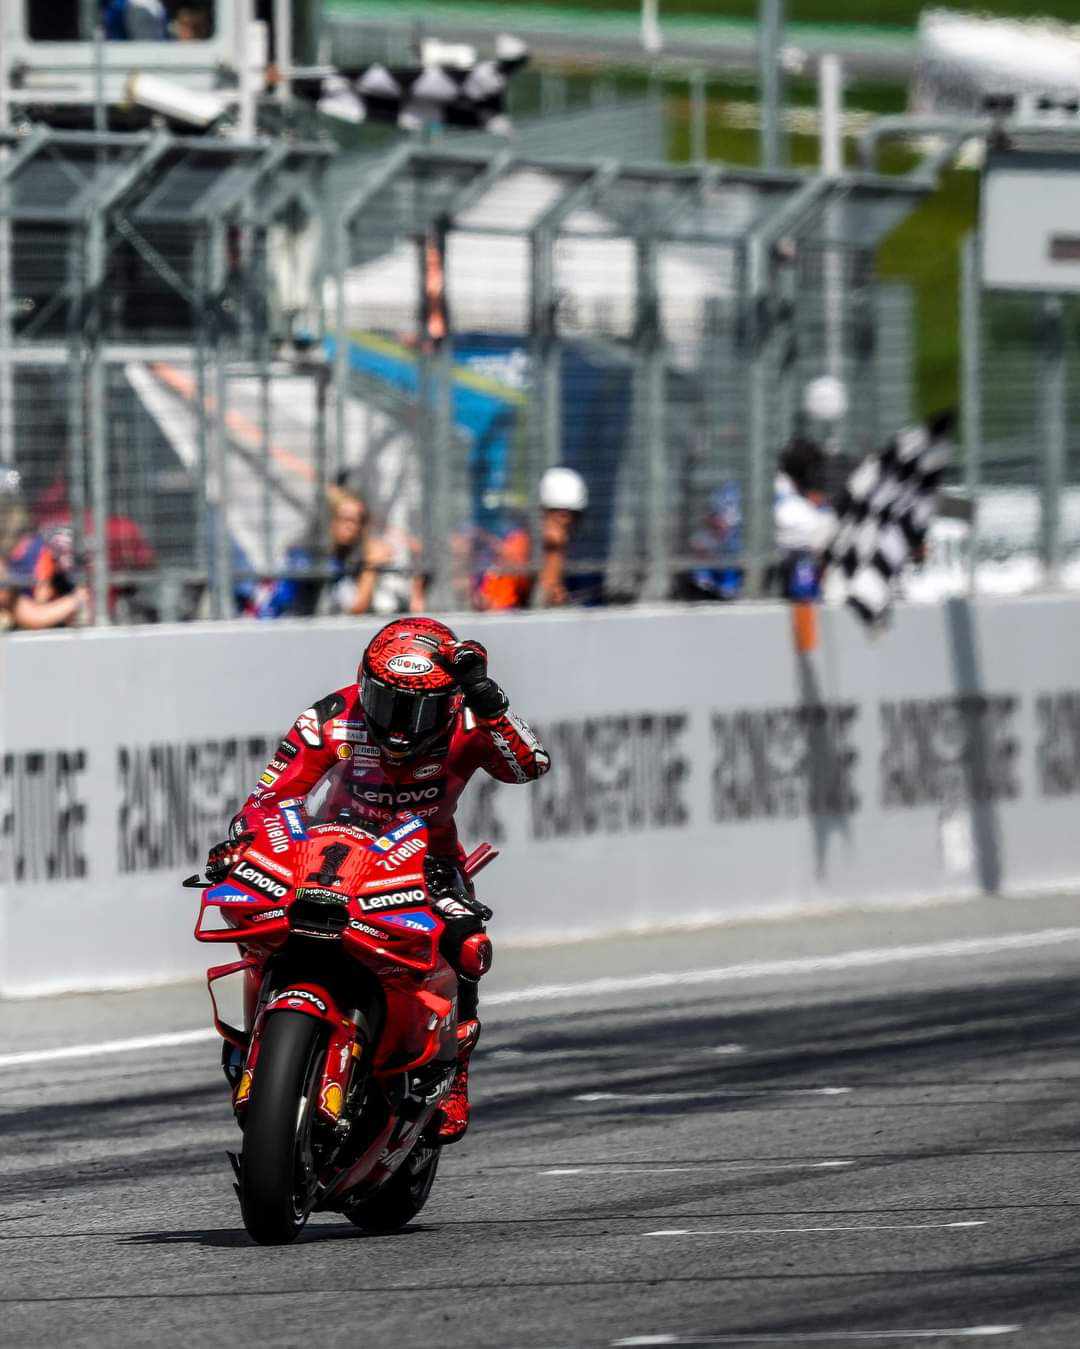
{"x":466,"y":663}
{"x":222,"y":857}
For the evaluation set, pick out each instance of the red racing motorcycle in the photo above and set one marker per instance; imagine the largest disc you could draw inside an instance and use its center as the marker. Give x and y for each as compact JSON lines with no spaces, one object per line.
{"x":352,"y":1012}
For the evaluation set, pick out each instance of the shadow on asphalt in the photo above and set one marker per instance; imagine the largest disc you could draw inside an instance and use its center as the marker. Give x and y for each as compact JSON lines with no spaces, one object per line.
{"x":222,"y":1237}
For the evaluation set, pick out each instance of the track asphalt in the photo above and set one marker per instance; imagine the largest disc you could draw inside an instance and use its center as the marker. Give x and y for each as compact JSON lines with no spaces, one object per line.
{"x":865,"y":1131}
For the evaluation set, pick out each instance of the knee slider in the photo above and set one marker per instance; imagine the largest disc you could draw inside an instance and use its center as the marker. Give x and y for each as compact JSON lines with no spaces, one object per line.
{"x":475,"y":957}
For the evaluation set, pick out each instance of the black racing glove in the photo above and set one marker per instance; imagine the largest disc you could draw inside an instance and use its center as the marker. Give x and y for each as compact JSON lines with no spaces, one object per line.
{"x":222,"y":857}
{"x":466,"y":662}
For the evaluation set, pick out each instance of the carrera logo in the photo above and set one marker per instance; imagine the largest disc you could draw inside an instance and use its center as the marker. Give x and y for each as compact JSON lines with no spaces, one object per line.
{"x":410,"y":665}
{"x":428,"y":770}
{"x":268,"y":914}
{"x":295,"y":996}
{"x":395,"y":899}
{"x":259,"y":880}
{"x":366,"y":929}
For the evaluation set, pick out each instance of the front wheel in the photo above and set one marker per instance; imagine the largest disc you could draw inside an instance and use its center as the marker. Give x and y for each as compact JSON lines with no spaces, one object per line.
{"x":402,"y":1197}
{"x":277,"y":1167}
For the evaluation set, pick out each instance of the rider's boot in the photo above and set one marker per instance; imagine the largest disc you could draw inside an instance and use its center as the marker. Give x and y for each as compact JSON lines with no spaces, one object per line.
{"x":455,"y":1108}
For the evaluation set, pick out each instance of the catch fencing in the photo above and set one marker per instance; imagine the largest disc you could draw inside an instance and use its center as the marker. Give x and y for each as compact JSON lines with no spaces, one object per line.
{"x":201,"y":336}
{"x":721,"y":775}
{"x":151,"y":291}
{"x":653,"y":328}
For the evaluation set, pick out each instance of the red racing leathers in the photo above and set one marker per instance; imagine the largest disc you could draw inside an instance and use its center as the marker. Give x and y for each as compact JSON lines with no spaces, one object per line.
{"x":373,"y":787}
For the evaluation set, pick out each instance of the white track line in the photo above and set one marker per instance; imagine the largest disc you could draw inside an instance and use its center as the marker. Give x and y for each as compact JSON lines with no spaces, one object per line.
{"x":740,"y":1092}
{"x":752,"y":969}
{"x":818,"y":1337}
{"x":602,"y":1172}
{"x":765,"y":969}
{"x":761,"y":1231}
{"x":179,"y":1037}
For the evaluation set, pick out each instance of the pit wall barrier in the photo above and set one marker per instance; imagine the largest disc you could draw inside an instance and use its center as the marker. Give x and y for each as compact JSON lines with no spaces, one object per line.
{"x":703,"y":770}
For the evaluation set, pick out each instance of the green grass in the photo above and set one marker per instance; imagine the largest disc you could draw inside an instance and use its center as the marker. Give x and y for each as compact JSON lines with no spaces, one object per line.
{"x":924,"y":250}
{"x":901,"y":13}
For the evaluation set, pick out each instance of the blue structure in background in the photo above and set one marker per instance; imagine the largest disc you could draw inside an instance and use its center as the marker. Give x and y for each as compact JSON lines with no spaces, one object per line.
{"x":489,"y":406}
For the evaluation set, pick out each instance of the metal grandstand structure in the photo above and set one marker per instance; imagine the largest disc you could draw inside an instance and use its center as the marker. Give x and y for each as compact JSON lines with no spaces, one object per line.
{"x":137,"y":285}
{"x":653,"y":326}
{"x":199,"y":337}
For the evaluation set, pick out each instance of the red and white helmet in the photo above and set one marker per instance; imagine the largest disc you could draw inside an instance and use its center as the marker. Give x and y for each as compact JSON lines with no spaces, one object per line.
{"x":409,"y":700}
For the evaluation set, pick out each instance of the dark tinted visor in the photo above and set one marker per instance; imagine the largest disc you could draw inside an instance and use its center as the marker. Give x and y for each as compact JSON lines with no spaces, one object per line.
{"x":391,"y":711}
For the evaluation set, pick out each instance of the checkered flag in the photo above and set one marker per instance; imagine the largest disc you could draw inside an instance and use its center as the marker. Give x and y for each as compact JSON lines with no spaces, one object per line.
{"x":471,"y":96}
{"x":884,"y":512}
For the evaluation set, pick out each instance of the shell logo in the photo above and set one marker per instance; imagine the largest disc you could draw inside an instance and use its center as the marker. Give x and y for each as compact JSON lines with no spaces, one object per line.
{"x":332,"y":1100}
{"x":243,"y":1089}
{"x":344,"y":751}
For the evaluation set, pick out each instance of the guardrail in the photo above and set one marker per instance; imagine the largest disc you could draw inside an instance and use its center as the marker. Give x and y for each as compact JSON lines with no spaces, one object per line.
{"x":702,"y":770}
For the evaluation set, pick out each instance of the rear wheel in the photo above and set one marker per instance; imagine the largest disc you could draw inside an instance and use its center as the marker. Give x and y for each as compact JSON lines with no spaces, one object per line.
{"x":402,"y":1197}
{"x":277,"y":1167}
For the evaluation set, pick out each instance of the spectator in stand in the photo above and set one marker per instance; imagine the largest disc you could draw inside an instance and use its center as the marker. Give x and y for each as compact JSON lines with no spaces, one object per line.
{"x":716,"y":546}
{"x":8,"y":595}
{"x":803,"y":520}
{"x":134,"y":20}
{"x":369,"y":573}
{"x":493,"y":562}
{"x":191,"y":23}
{"x":563,"y":500}
{"x":41,"y":573}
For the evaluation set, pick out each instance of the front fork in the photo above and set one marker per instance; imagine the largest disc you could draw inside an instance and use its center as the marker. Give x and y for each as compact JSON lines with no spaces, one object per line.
{"x":349,"y":1035}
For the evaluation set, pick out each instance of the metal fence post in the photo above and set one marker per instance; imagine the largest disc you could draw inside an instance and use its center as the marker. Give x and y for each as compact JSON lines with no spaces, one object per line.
{"x":217,"y":446}
{"x":770,"y":81}
{"x":341,"y":344}
{"x":1054,"y":425}
{"x":652,"y":391}
{"x":699,"y":111}
{"x":264,"y":344}
{"x":203,"y":340}
{"x":546,"y":437}
{"x":759,"y":391}
{"x":93,"y":336}
{"x":76,"y":399}
{"x":971,"y":390}
{"x":435,"y":429}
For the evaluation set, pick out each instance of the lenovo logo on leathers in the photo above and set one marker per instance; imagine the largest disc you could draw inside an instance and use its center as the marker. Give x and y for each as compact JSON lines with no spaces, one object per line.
{"x":402,"y":796}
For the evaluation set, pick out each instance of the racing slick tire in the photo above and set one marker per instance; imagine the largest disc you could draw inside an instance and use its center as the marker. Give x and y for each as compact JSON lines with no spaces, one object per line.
{"x":402,"y":1197}
{"x":277,"y":1165}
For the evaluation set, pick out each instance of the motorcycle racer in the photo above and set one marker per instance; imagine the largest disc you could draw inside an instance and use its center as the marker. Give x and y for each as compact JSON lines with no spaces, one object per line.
{"x":421,"y":718}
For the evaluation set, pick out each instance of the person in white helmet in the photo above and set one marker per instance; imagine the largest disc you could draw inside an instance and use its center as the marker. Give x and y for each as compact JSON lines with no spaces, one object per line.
{"x":563,"y":500}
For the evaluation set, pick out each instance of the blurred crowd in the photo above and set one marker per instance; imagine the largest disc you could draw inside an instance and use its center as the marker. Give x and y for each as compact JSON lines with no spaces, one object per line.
{"x":347,"y":562}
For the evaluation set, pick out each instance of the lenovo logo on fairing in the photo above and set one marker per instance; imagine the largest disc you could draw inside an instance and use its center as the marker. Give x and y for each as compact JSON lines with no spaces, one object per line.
{"x":396,"y":899}
{"x":259,"y":880}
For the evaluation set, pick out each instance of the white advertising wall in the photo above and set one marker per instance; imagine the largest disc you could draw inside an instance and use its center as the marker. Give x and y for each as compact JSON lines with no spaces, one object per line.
{"x":702,"y":770}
